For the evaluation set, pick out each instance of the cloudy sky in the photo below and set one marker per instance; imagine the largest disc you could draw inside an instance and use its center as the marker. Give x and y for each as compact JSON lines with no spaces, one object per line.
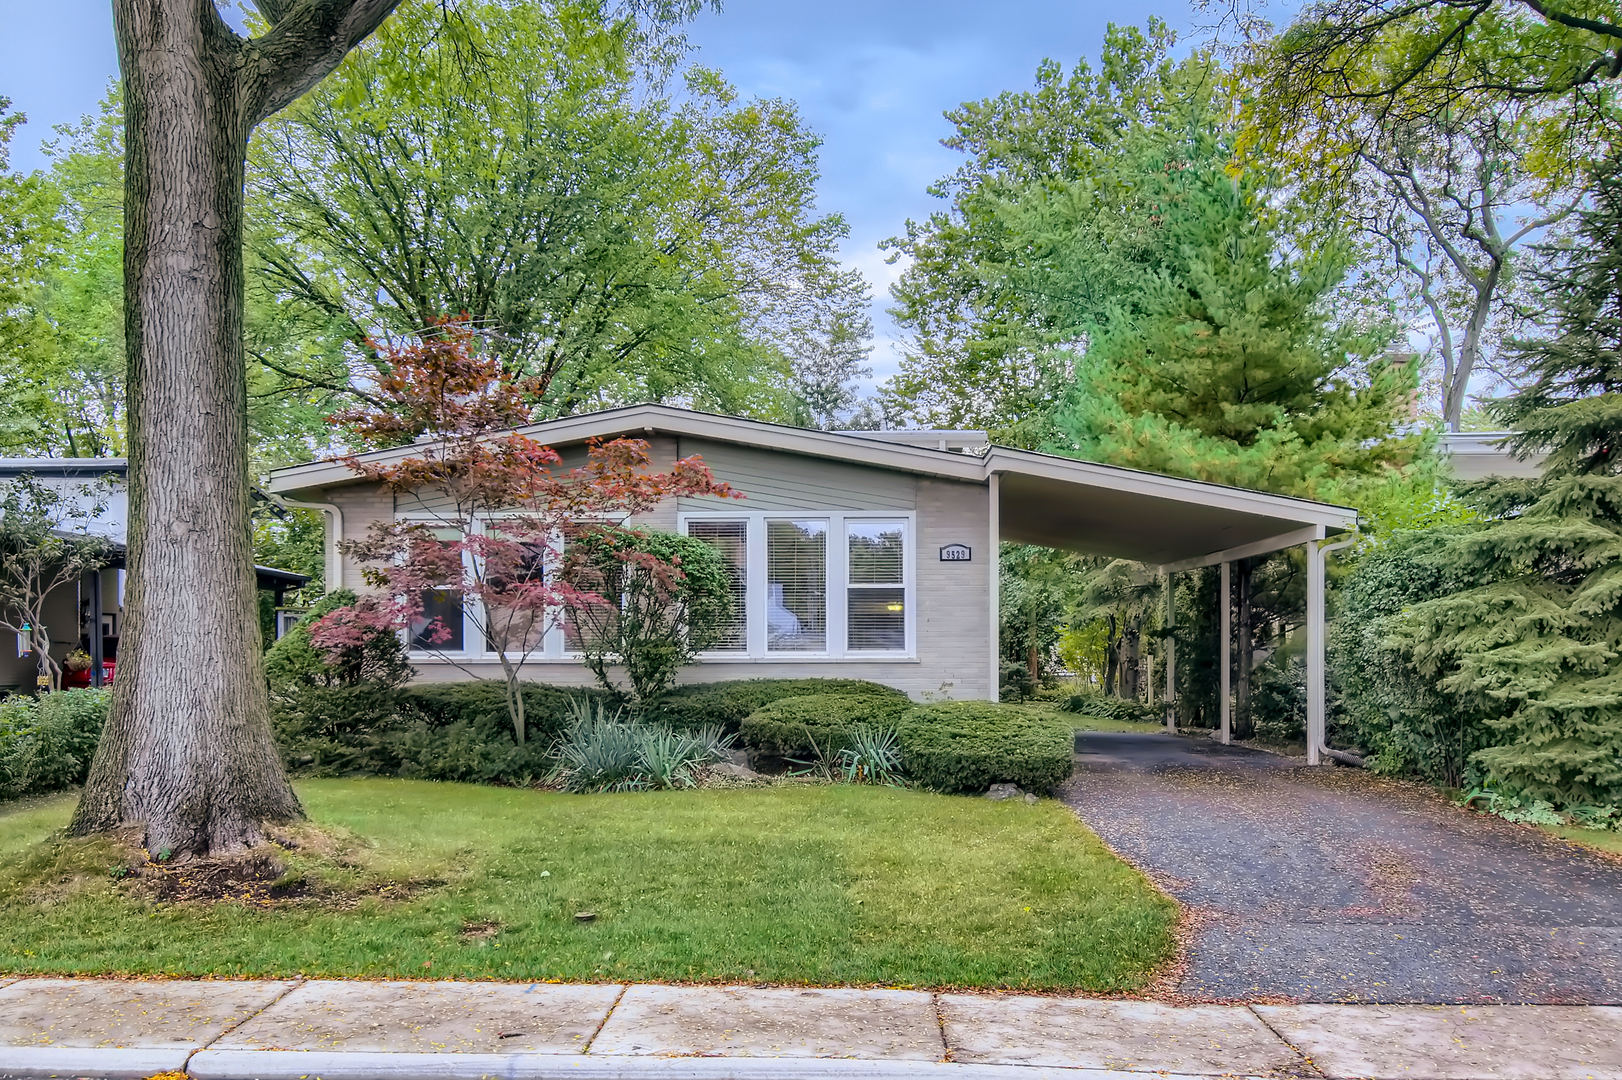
{"x":872,"y":78}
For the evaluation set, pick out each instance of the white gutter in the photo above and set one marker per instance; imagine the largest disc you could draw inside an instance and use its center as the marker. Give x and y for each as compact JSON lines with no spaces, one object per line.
{"x":334,"y":571}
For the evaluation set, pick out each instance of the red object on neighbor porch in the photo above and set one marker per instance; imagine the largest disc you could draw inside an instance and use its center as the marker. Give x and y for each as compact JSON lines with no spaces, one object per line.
{"x":74,"y":680}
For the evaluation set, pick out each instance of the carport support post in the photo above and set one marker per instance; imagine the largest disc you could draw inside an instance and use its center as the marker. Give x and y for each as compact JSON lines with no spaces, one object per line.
{"x":1225,"y":661}
{"x":1315,"y":651}
{"x":1171,"y":654}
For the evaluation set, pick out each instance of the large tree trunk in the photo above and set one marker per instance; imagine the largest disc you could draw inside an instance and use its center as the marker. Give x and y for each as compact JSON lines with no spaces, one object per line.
{"x":1112,"y":659}
{"x":187,"y":753}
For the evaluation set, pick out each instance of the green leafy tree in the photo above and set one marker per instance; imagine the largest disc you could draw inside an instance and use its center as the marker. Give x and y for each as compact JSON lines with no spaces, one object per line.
{"x":978,"y":353}
{"x":1426,"y":60}
{"x":1533,"y":642}
{"x":527,"y":166}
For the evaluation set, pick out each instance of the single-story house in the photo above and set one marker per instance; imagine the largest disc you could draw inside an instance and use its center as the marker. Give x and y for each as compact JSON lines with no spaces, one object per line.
{"x":74,"y":615}
{"x":925,"y":510}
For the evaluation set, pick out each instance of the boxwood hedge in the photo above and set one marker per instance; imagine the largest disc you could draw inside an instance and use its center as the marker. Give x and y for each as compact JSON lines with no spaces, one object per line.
{"x":966,"y":746}
{"x":688,"y":708}
{"x":788,"y":727}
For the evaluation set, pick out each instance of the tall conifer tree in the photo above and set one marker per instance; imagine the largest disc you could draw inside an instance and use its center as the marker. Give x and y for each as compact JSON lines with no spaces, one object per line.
{"x":1537,"y":643}
{"x":1229,"y":364}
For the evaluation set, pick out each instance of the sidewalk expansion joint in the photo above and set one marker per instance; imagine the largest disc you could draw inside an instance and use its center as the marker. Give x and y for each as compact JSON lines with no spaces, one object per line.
{"x":940,"y":1022}
{"x":292,"y":984}
{"x":598,"y":1030}
{"x":1310,"y":1065}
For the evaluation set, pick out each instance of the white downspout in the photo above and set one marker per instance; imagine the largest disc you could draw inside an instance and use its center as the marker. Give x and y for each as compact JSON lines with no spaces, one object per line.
{"x":335,"y":533}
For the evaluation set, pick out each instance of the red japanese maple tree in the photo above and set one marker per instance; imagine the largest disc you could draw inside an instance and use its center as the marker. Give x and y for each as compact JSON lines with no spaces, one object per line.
{"x":493,"y":510}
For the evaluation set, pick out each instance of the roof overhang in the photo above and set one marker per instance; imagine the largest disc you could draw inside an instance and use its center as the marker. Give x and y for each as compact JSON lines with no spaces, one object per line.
{"x":1045,"y":499}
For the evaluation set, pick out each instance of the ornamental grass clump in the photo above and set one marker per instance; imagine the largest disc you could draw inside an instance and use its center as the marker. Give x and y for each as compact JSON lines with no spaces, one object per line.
{"x":604,"y":751}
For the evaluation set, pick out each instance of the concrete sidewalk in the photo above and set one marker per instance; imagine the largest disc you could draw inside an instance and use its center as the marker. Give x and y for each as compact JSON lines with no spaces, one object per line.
{"x":341,"y":1030}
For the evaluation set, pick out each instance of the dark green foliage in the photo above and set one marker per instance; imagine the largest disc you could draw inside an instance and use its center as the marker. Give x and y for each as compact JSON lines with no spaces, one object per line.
{"x":675,"y":600}
{"x":46,"y":743}
{"x":1382,"y":706}
{"x":334,"y":730}
{"x":688,"y":708}
{"x":295,"y":661}
{"x":1228,"y":363}
{"x":966,"y":746}
{"x":1531,"y":642}
{"x":815,"y":724}
{"x":482,"y":705}
{"x":1093,"y":703}
{"x":1014,"y":681}
{"x":1278,"y":700}
{"x":432,"y":731}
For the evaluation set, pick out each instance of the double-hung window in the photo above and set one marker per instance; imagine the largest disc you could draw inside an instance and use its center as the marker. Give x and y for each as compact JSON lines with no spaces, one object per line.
{"x":813,"y":585}
{"x":442,"y":626}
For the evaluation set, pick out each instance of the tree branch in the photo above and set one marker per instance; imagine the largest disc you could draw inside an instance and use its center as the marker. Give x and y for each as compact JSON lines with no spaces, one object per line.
{"x":305,"y":43}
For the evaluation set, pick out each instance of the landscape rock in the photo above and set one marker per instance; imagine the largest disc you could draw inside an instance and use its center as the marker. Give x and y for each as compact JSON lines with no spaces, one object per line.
{"x":1003,"y":792}
{"x":734,"y":771}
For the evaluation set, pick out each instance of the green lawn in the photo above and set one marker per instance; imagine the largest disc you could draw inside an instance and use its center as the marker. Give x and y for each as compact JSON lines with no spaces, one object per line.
{"x":819,"y":885}
{"x":1605,"y":840}
{"x":1079,"y":722}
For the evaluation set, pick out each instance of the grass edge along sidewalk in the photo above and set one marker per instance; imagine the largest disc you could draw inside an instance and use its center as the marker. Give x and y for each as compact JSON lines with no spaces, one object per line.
{"x":799,"y":884}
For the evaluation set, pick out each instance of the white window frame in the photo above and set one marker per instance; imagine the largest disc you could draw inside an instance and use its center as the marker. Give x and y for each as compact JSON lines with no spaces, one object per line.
{"x":837,"y":584}
{"x":469,"y":630}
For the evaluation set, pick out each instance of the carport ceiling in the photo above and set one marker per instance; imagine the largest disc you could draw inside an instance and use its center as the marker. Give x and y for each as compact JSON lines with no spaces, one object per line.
{"x":1151,"y":519}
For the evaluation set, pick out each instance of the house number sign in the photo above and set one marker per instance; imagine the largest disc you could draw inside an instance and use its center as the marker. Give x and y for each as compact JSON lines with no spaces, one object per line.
{"x":956,"y":553}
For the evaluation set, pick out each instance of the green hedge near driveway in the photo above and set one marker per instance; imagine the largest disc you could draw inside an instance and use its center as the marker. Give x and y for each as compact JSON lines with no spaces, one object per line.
{"x":797,"y":885}
{"x":966,"y":746}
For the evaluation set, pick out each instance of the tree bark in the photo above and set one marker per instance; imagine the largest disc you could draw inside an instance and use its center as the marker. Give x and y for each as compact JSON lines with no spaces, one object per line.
{"x":1112,"y":659}
{"x":187,"y":753}
{"x":1242,"y":727}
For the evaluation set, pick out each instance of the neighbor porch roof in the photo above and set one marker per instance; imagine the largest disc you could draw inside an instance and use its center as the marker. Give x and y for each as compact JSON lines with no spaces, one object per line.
{"x":1042,"y":499}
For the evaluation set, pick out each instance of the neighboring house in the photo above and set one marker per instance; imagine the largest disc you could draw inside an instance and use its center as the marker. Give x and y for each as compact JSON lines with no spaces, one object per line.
{"x":923,"y":512}
{"x":75,"y":615}
{"x":1474,"y":455}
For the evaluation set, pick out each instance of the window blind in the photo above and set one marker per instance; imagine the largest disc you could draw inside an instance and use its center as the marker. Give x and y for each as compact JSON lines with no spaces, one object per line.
{"x":730,"y":538}
{"x":876,"y":597}
{"x":796,"y":586}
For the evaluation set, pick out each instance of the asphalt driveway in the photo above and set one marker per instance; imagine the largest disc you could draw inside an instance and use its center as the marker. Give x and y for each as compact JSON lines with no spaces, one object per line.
{"x":1333,"y":885}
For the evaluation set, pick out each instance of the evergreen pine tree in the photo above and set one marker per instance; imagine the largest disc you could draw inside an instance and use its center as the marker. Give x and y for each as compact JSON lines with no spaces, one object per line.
{"x":1537,"y":639}
{"x":1229,"y":365}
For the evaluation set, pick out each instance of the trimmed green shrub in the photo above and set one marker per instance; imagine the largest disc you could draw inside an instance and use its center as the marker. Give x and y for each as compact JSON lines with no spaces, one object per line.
{"x":802,"y":727}
{"x":966,"y":746}
{"x":482,"y":705}
{"x":1093,"y":703}
{"x":46,"y":743}
{"x":698,"y":705}
{"x":429,"y":731}
{"x":294,"y":659}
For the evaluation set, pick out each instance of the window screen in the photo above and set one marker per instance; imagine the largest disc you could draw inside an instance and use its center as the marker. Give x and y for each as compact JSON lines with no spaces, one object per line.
{"x":876,"y":603}
{"x":797,"y":586}
{"x":440,"y":626}
{"x":731,"y":539}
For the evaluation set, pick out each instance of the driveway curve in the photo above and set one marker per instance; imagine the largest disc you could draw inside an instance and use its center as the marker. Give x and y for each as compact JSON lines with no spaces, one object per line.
{"x":1331,"y":885}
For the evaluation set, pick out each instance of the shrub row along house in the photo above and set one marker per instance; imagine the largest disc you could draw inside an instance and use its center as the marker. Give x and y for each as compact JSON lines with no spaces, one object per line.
{"x":869,"y":555}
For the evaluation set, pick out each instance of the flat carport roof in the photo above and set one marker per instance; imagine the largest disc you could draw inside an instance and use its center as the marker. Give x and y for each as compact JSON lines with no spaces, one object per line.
{"x":1163,"y":521}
